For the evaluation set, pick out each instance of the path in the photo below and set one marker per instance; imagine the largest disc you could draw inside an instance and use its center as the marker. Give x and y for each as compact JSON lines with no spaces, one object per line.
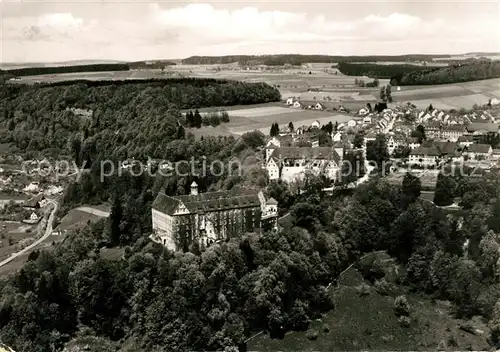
{"x":48,"y":232}
{"x":97,"y":212}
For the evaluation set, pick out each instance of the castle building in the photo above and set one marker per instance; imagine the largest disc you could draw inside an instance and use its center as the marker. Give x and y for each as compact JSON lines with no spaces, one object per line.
{"x":207,"y":218}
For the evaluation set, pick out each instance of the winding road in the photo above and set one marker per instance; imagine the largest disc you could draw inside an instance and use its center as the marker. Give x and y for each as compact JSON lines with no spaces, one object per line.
{"x":48,"y":232}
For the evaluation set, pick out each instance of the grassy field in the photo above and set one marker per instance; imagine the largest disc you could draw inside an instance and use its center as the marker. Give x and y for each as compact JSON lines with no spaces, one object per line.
{"x":365,"y":320}
{"x":261,"y":118}
{"x":77,"y":219}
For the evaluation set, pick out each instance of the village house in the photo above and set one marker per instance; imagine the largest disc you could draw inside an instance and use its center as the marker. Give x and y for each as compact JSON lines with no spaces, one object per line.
{"x":431,"y":153}
{"x":465,"y":141}
{"x":297,"y":105}
{"x":480,"y":131}
{"x":395,"y":141}
{"x":316,"y":124}
{"x":207,"y":218}
{"x":33,"y":219}
{"x":290,"y":164}
{"x":424,"y":156}
{"x":351,"y":123}
{"x":452,"y":132}
{"x":319,"y":106}
{"x":413,"y":143}
{"x":433,"y":131}
{"x":478,"y":152}
{"x":35,"y":202}
{"x":496,"y":154}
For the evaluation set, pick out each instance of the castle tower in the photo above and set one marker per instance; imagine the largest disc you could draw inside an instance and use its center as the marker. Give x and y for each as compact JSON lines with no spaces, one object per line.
{"x":194,"y":188}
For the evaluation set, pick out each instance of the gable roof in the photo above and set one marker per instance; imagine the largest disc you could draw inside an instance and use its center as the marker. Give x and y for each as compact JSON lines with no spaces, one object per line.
{"x":427,"y":151}
{"x":272,"y":201}
{"x":482,"y":127}
{"x":236,"y":198}
{"x":34,"y":201}
{"x":479,"y":148}
{"x":463,"y":139}
{"x":442,"y":147}
{"x":318,"y":153}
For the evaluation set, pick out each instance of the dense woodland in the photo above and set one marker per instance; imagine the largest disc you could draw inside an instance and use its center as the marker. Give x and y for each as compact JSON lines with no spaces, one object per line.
{"x":129,"y":119}
{"x":377,"y":70}
{"x":149,"y":299}
{"x":296,"y":59}
{"x":451,"y":74}
{"x":33,"y":71}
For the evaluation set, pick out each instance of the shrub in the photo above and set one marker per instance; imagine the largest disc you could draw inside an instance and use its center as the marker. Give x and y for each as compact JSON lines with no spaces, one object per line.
{"x":383,"y":287}
{"x":401,"y":306}
{"x":404,"y":321}
{"x":363,"y":290}
{"x":312,"y":335}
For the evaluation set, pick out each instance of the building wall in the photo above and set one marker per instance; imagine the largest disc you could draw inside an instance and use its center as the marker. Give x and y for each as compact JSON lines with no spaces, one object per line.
{"x":422,"y":160}
{"x":163,"y":227}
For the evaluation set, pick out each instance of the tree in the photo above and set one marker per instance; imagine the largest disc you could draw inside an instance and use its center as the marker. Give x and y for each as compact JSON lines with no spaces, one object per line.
{"x":352,"y":168}
{"x":115,"y":218}
{"x":181,"y":133}
{"x":445,"y":190}
{"x":197,"y":119}
{"x":328,"y":128}
{"x":383,"y":95}
{"x":275,"y":130}
{"x":388,"y":93}
{"x":359,"y":140}
{"x":419,"y":133}
{"x":411,"y":187}
{"x":430,"y":108}
{"x":369,"y":107}
{"x":377,"y":152}
{"x":290,"y":126}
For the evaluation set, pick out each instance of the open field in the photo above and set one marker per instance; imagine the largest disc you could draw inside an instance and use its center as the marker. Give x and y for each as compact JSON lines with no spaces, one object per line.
{"x":261,"y":118}
{"x":80,"y":217}
{"x":294,"y":82}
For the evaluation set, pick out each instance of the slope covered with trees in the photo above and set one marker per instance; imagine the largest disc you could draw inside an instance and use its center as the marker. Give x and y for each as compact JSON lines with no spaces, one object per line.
{"x":125,"y":119}
{"x":34,"y":71}
{"x":451,"y":74}
{"x":296,"y":59}
{"x":376,"y":70}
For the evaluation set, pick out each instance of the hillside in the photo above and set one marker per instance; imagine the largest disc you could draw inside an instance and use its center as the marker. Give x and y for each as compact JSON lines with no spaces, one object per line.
{"x":376,"y":70}
{"x":114,"y":118}
{"x":458,"y":72}
{"x":296,"y":59}
{"x":364,"y":318}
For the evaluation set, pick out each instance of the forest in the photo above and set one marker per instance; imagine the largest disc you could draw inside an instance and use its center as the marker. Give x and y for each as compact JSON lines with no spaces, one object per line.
{"x":129,"y":119}
{"x":296,"y":59}
{"x":149,"y":299}
{"x":153,"y":300}
{"x":376,"y":70}
{"x":34,"y":71}
{"x":459,"y":72}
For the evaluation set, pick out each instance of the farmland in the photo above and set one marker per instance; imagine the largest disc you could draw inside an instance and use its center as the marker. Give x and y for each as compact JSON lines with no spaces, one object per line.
{"x":260,"y":118}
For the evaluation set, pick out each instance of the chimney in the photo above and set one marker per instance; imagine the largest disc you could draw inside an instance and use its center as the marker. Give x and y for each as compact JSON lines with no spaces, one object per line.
{"x":194,"y":188}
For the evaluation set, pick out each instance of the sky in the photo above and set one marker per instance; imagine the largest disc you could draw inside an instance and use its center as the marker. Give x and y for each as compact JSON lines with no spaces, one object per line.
{"x":54,"y":31}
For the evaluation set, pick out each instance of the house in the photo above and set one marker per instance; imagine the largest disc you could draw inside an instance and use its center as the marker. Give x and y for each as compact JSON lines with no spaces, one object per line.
{"x":480,"y":131}
{"x":433,"y":130}
{"x":289,"y":164}
{"x":496,"y":154}
{"x":478,"y":152}
{"x":424,"y":156}
{"x":413,"y":143}
{"x":35,"y":202}
{"x":432,"y":153}
{"x":395,"y":141}
{"x":319,"y":106}
{"x":290,"y":101}
{"x":351,"y":123}
{"x":33,"y":219}
{"x":452,"y":132}
{"x":297,"y":105}
{"x":363,"y":111}
{"x":207,"y":218}
{"x":336,"y":136}
{"x":465,"y":141}
{"x":316,"y":124}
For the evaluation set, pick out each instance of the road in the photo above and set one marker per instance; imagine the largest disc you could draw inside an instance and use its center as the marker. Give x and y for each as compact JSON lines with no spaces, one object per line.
{"x":48,"y":232}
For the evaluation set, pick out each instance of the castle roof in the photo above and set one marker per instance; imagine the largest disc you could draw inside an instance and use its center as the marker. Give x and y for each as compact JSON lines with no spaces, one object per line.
{"x":236,"y":198}
{"x":319,"y":153}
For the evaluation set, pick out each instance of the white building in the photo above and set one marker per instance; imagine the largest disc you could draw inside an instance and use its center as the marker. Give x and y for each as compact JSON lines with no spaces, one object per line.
{"x":316,"y":124}
{"x":289,"y":164}
{"x":207,"y":218}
